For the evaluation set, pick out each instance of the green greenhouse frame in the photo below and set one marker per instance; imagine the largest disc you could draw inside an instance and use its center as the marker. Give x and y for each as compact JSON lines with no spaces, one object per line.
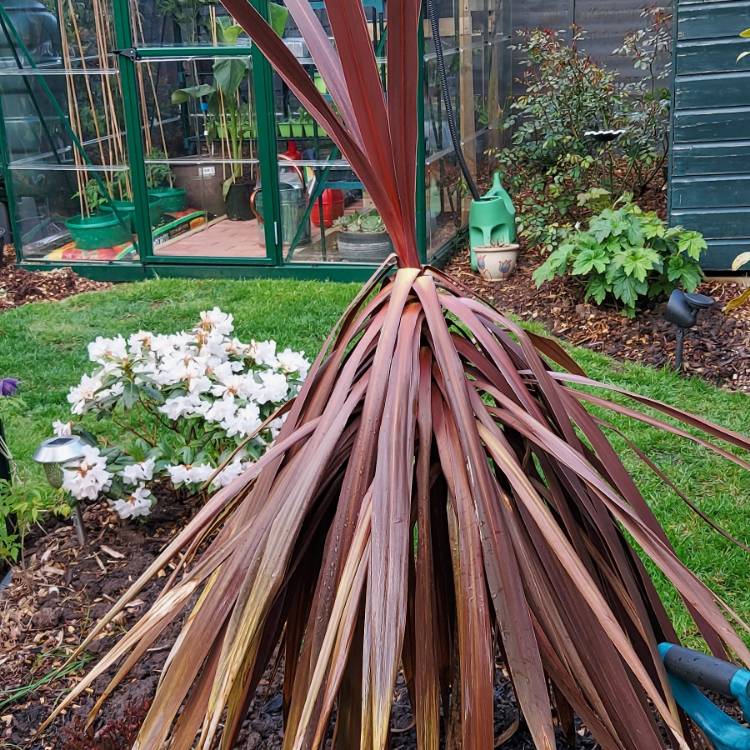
{"x":477,"y":47}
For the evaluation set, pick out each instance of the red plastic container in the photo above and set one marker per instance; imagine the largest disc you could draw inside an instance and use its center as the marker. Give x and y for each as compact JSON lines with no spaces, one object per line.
{"x":333,"y":207}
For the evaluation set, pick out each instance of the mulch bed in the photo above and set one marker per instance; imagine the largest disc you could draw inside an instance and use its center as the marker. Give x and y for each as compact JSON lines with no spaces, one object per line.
{"x":19,"y":286}
{"x":718,"y":348}
{"x":52,"y":603}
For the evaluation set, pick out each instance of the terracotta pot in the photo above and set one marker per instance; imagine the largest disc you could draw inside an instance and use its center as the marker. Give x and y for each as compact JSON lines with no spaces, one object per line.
{"x":498,"y":262}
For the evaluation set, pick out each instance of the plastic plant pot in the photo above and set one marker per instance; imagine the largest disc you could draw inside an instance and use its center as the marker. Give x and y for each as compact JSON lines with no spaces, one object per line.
{"x":237,"y":202}
{"x":97,"y":231}
{"x":309,"y":130}
{"x":171,"y":198}
{"x":298,"y":130}
{"x":126,"y":209}
{"x":285,"y":129}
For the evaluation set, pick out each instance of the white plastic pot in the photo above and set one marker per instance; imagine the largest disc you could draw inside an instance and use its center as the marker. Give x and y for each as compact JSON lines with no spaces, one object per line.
{"x":496,"y":263}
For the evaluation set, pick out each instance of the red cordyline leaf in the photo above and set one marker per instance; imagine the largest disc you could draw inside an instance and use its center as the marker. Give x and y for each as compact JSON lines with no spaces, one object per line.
{"x":439,"y":500}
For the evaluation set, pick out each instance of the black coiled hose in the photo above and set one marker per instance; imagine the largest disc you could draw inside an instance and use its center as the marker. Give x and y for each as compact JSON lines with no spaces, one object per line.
{"x":435,"y":24}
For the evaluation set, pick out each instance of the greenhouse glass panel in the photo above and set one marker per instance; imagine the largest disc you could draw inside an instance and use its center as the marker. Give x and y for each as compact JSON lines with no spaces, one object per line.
{"x":200,"y":150}
{"x":160,"y":118}
{"x":58,"y":216}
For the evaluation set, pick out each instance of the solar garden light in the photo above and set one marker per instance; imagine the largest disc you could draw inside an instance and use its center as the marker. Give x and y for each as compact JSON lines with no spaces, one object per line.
{"x":682,"y":310}
{"x":59,"y":453}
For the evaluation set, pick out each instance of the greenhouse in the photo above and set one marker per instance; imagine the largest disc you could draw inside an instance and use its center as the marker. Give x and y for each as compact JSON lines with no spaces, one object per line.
{"x":149,"y":137}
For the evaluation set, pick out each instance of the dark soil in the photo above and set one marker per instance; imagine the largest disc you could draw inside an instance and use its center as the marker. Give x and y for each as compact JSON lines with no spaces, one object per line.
{"x":718,"y":348}
{"x":19,"y":286}
{"x":62,"y":590}
{"x":52,"y":603}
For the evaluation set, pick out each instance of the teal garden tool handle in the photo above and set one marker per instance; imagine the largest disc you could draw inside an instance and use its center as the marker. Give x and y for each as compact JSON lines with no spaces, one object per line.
{"x":687,"y":671}
{"x":701,"y":670}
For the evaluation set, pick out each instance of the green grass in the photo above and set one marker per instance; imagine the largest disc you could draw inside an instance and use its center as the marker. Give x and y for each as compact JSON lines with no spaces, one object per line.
{"x":44,"y":344}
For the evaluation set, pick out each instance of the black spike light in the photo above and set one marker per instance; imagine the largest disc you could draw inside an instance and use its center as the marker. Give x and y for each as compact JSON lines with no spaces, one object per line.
{"x":682,"y":310}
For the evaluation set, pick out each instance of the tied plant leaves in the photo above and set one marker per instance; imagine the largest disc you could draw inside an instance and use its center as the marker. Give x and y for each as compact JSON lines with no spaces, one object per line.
{"x":438,"y":496}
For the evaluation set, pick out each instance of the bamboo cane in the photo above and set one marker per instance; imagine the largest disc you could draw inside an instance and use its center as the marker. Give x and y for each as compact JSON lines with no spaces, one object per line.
{"x":157,"y":107}
{"x":105,"y":41}
{"x":87,"y":82}
{"x":72,"y":106}
{"x":222,"y":111}
{"x":101,"y":47}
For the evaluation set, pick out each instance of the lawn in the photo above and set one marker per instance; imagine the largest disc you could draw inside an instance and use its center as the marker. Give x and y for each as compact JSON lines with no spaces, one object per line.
{"x":44,"y":344}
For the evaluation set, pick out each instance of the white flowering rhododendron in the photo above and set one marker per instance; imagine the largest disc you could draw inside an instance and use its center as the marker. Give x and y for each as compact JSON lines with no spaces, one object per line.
{"x":189,"y":409}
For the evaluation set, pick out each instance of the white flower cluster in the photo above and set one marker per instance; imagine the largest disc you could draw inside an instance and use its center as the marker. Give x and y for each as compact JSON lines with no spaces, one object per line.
{"x":205,"y":386}
{"x":89,"y":478}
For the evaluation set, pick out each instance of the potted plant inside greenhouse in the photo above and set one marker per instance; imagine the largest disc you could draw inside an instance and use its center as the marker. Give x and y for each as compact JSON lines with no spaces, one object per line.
{"x":362,"y":237}
{"x":160,"y":183}
{"x":229,"y":117}
{"x":124,"y":205}
{"x":95,"y":227}
{"x":227,"y":124}
{"x":309,"y":126}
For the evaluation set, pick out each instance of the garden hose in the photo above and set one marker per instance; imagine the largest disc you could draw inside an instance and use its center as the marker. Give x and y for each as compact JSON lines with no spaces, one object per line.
{"x":435,"y":24}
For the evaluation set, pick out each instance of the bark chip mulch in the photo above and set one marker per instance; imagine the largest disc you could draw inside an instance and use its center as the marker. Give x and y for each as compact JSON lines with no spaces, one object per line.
{"x":717,"y":349}
{"x":62,"y":590}
{"x":19,"y":286}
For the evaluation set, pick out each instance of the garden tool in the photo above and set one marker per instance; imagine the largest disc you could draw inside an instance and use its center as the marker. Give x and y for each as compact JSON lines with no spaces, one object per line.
{"x":492,"y":219}
{"x":689,"y":670}
{"x":491,"y":216}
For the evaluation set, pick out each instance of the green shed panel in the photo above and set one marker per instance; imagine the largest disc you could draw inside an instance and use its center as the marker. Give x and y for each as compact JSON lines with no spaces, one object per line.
{"x":709,"y":188}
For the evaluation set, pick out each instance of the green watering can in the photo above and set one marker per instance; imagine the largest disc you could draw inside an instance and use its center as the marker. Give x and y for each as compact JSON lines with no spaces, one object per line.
{"x":492,"y":219}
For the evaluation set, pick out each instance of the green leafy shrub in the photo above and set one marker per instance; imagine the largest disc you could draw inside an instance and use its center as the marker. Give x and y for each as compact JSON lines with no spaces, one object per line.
{"x":550,"y":158}
{"x":24,"y":503}
{"x":26,"y":500}
{"x":645,"y":144}
{"x":626,"y":255}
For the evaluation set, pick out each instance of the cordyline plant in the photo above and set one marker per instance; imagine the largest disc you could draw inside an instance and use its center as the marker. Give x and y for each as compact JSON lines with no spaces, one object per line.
{"x":438,"y":498}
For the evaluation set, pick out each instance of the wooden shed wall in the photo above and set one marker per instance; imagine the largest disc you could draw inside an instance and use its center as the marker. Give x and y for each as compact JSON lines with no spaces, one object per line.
{"x":710,"y":162}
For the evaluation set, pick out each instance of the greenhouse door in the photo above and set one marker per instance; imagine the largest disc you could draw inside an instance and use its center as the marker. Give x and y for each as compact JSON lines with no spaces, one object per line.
{"x":199,"y":92}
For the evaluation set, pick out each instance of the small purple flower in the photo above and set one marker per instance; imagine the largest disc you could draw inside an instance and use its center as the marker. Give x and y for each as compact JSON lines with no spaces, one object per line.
{"x":8,"y":386}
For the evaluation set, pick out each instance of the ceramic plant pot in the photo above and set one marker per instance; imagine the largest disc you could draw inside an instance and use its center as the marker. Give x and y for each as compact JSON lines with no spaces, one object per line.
{"x":497,"y":262}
